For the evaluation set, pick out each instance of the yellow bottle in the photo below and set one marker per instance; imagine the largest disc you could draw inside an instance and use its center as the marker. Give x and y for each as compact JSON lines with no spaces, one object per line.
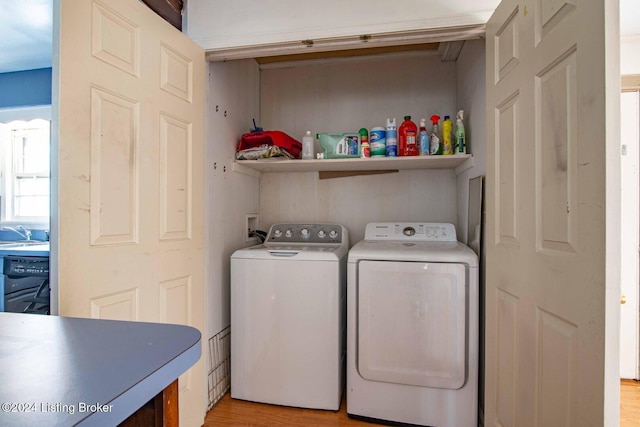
{"x":447,"y":127}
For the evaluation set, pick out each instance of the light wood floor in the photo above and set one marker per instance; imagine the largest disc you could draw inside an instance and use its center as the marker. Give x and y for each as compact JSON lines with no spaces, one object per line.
{"x":629,"y":403}
{"x":232,"y":412}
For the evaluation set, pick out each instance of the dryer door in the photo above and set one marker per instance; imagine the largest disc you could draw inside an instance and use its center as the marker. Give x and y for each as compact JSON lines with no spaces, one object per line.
{"x":412,"y":323}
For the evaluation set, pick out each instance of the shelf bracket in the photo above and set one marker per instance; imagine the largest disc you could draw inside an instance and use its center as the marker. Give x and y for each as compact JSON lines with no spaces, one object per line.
{"x":467,"y":164}
{"x":236,"y":167}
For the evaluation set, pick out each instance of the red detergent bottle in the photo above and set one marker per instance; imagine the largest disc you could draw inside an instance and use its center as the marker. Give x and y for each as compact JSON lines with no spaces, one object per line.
{"x":408,"y":138}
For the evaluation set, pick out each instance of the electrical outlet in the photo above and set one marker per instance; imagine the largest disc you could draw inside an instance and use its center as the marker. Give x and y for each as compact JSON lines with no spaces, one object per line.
{"x":251,"y":225}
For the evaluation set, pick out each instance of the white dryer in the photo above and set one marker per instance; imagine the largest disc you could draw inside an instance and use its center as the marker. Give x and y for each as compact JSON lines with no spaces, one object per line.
{"x":412,"y":326}
{"x":288,"y":310}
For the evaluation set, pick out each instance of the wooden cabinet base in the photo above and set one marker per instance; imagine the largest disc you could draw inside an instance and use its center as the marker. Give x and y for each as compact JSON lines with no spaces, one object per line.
{"x":161,"y":411}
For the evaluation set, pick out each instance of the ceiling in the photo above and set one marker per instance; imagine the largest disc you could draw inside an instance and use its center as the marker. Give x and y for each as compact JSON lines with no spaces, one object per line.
{"x":25,"y":35}
{"x":26,"y":32}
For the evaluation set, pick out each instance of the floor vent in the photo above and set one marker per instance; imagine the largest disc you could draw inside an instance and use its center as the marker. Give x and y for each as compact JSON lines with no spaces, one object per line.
{"x":220,"y":365}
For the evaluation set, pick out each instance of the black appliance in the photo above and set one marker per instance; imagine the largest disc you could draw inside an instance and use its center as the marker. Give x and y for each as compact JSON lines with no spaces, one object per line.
{"x":26,"y":284}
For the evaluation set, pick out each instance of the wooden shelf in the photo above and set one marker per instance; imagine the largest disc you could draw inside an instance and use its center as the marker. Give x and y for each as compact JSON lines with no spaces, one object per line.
{"x":460,"y":162}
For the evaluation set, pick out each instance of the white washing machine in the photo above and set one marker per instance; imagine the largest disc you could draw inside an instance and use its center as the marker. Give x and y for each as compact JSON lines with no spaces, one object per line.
{"x":412,"y":326}
{"x":288,"y":310}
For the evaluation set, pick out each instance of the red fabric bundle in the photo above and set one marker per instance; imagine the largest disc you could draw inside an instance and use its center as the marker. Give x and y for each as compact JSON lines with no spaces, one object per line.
{"x":270,"y":137}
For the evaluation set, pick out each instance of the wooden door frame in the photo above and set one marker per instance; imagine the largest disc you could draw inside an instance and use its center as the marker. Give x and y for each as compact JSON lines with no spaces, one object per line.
{"x":630,"y":82}
{"x":169,"y":10}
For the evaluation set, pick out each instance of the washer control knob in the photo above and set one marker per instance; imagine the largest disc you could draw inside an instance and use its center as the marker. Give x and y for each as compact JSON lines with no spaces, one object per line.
{"x":305,"y":233}
{"x":409,"y":231}
{"x":333,"y":234}
{"x":277,"y":233}
{"x":288,"y":233}
{"x":322,"y":234}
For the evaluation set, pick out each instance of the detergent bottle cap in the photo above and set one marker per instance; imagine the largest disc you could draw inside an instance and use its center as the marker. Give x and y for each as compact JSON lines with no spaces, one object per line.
{"x":460,"y":115}
{"x":391,"y":122}
{"x":435,"y":119}
{"x":407,"y":117}
{"x":447,"y":117}
{"x":308,"y":133}
{"x":423,"y":122}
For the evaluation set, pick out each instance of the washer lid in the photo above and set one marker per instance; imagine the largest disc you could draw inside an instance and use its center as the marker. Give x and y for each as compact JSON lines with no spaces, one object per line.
{"x":292,"y":253}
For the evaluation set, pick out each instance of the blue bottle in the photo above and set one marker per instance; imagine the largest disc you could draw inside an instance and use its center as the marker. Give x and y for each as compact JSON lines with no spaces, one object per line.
{"x":392,"y":138}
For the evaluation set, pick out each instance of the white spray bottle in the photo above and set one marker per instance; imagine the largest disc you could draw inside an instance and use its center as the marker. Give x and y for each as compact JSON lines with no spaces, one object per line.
{"x":307,"y":146}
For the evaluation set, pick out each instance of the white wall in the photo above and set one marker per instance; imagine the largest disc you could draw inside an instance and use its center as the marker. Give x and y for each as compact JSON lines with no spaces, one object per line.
{"x":342,"y":96}
{"x":232,"y":101}
{"x":470,"y":97}
{"x":421,"y":196}
{"x":629,"y":57}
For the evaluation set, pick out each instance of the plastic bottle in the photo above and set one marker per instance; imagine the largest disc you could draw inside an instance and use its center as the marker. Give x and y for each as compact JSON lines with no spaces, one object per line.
{"x":365,"y":148}
{"x":424,"y":138}
{"x":408,"y":138}
{"x":461,"y":142}
{"x":307,"y":146}
{"x":447,"y":128}
{"x":435,"y":139}
{"x":378,"y":142}
{"x":392,"y":138}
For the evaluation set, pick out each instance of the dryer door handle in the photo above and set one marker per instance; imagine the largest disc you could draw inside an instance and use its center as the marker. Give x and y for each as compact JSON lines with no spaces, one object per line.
{"x":282,"y":253}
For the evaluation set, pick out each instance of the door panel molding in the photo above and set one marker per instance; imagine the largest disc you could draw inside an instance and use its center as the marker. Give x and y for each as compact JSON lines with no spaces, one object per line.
{"x":115,"y":40}
{"x":549,"y":14}
{"x":556,"y":382}
{"x":118,"y":306}
{"x":176,"y":170}
{"x":115,"y":124}
{"x":557,"y":155}
{"x":176,"y":300}
{"x":506,"y":361}
{"x":507,"y":159}
{"x":176,"y":73}
{"x":507,"y":51}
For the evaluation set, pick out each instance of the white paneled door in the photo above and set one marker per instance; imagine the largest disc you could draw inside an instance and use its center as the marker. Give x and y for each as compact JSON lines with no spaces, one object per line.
{"x":547,"y":279}
{"x":130,"y":172}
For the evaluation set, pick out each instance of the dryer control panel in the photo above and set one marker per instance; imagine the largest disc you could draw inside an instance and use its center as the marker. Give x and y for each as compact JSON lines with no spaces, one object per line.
{"x":305,"y":234}
{"x":411,"y":231}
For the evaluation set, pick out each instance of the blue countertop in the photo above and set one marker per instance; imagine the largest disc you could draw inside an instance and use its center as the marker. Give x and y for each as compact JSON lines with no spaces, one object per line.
{"x":25,"y":250}
{"x":62,"y":371}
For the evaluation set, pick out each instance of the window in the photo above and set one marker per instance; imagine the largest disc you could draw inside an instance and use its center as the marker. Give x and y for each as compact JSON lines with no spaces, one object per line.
{"x":26,"y":174}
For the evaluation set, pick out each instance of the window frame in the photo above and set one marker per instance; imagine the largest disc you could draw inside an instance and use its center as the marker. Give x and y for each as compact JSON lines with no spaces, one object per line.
{"x":7,"y":164}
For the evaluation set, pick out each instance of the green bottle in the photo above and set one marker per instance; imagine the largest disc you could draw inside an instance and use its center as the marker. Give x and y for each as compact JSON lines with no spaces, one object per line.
{"x":460,"y":140}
